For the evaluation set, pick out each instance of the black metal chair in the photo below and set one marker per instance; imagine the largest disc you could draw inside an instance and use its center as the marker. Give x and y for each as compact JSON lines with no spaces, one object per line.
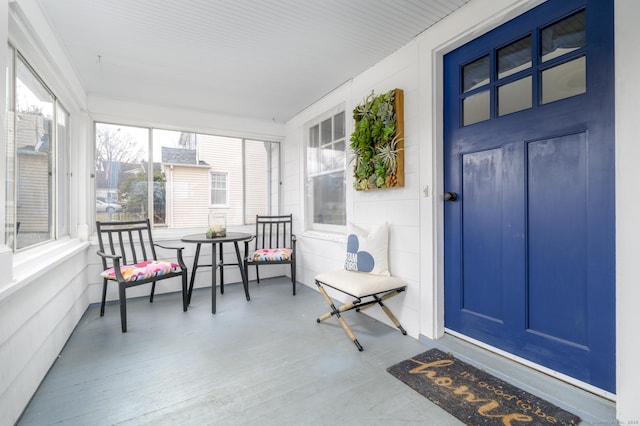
{"x":129,"y":258}
{"x":274,"y":244}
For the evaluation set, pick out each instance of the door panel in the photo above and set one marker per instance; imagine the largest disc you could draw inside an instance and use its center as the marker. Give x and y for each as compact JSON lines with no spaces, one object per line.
{"x":482,"y":222}
{"x":529,"y":241}
{"x":557,"y":232}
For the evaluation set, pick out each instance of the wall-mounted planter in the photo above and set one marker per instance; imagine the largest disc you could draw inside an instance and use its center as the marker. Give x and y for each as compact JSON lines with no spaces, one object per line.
{"x":377,"y":141}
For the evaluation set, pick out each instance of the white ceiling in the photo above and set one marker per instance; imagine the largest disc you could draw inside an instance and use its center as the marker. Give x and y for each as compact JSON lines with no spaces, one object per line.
{"x":260,"y":59}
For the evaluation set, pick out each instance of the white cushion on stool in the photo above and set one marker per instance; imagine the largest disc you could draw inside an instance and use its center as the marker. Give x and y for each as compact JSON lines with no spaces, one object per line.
{"x":359,"y":284}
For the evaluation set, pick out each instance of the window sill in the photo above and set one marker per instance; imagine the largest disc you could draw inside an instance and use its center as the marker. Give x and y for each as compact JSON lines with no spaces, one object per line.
{"x":326,"y":236}
{"x":33,"y":263}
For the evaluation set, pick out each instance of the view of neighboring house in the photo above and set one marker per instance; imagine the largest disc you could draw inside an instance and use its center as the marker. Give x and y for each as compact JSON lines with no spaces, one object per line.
{"x":33,"y":177}
{"x":195,"y":175}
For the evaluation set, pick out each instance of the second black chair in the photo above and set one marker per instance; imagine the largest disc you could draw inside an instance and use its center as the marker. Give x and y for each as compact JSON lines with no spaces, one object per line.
{"x":273,"y":244}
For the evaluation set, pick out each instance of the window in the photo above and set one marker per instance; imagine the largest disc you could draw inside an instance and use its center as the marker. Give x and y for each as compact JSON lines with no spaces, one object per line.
{"x":547,"y":64}
{"x":37,"y":173}
{"x":175,"y":177}
{"x":219,"y":189}
{"x":122,"y":179}
{"x":325,"y":173}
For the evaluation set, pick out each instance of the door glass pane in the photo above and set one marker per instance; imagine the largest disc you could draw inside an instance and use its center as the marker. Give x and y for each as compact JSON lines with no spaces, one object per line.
{"x":515,"y":96}
{"x":563,"y":37}
{"x":476,"y":108}
{"x":564,"y":80}
{"x":476,"y":74}
{"x":514,"y":57}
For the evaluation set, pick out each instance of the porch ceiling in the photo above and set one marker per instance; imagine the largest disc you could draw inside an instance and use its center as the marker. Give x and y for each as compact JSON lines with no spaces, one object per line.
{"x":251,"y":58}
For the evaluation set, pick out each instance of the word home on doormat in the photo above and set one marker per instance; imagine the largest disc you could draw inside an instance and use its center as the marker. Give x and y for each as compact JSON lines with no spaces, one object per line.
{"x":474,"y":396}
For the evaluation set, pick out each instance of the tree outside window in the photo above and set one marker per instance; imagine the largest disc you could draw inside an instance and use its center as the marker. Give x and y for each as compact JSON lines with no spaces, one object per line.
{"x":175,"y":177}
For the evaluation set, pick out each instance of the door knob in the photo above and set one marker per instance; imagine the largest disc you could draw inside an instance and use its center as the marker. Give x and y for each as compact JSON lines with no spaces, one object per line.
{"x":450,"y":196}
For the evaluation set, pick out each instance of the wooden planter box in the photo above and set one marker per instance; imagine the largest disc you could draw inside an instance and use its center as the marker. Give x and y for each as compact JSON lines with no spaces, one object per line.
{"x":398,"y":107}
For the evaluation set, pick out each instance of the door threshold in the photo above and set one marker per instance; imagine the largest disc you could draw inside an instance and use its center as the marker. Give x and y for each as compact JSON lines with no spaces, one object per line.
{"x":593,"y":405}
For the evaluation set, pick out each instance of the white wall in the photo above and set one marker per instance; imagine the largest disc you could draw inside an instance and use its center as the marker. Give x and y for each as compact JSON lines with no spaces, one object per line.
{"x":416,"y":220}
{"x":165,"y":117}
{"x":43,"y":291}
{"x":399,"y":206}
{"x":38,"y":312}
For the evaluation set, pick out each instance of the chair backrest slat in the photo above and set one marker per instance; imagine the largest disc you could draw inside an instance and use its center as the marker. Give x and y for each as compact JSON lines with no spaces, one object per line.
{"x":123,"y":250}
{"x":132,"y":247}
{"x":152,"y":246}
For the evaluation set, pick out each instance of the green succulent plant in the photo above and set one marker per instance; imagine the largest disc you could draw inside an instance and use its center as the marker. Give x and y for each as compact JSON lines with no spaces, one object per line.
{"x":374,"y":142}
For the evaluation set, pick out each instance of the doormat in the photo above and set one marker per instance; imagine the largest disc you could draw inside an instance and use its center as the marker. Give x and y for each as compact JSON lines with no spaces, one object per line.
{"x":474,"y":396}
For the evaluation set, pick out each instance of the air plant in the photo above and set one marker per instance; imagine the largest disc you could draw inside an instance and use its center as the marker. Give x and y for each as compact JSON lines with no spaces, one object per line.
{"x":365,"y":109}
{"x":388,"y":154}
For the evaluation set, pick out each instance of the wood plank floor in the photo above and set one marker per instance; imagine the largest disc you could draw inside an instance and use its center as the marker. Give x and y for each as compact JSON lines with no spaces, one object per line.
{"x":263,"y":362}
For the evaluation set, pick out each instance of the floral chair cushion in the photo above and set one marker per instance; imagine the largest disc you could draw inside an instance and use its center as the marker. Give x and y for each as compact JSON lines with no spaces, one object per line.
{"x":143,"y":270}
{"x":272,"y":255}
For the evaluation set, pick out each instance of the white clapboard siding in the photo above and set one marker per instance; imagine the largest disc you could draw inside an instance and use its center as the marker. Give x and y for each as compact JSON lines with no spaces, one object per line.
{"x":224,"y":154}
{"x":32,"y":197}
{"x":187,"y":196}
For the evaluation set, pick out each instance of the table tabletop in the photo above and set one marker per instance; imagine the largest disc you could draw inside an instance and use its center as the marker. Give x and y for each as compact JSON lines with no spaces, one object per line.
{"x":229,"y":238}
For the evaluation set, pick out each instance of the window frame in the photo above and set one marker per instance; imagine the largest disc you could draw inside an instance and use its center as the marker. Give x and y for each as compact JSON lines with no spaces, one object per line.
{"x":310,"y":223}
{"x":213,"y":205}
{"x":58,"y":160}
{"x":535,"y":70}
{"x":232,"y":180}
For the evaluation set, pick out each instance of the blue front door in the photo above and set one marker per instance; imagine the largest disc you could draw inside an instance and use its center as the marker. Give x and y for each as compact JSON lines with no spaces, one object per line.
{"x":529,"y":175}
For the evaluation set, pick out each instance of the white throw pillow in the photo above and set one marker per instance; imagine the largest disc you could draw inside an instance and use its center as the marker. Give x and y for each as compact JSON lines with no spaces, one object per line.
{"x":367,"y":249}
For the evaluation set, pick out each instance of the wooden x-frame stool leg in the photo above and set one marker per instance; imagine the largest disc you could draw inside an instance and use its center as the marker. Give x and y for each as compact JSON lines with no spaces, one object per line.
{"x":383,"y":287}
